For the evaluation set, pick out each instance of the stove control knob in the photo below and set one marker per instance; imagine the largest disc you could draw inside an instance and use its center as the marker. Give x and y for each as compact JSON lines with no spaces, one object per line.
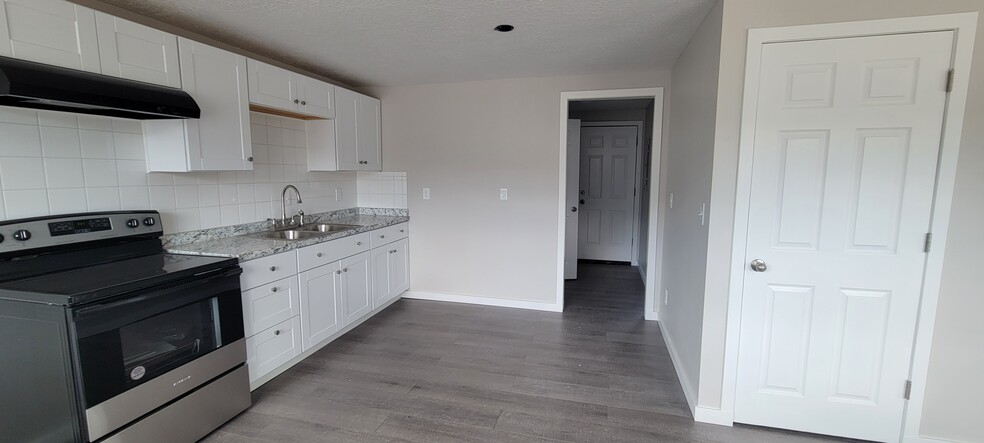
{"x":149,"y":221}
{"x":133,"y":223}
{"x":1,"y":238}
{"x":22,"y":235}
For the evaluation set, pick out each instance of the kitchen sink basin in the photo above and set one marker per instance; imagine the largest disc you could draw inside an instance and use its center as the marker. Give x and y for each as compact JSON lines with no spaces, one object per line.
{"x":326,"y":228}
{"x":303,"y":232}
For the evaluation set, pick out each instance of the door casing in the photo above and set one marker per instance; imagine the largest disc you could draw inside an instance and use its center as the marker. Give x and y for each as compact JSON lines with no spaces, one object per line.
{"x":965,"y":27}
{"x":653,"y":256}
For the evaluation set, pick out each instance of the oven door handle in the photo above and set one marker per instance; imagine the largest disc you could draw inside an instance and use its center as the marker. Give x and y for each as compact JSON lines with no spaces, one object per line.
{"x":183,"y":295}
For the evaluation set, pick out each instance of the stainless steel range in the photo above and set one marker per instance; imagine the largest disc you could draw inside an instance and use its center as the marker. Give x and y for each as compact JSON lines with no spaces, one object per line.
{"x":108,"y":338}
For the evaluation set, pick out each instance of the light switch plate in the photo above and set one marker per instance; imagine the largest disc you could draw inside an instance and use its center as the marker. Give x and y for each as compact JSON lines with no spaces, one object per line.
{"x":338,"y":195}
{"x":503,"y":194}
{"x":427,"y":193}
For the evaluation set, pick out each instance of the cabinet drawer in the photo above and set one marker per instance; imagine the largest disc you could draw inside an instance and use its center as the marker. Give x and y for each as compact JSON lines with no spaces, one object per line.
{"x":331,"y":251}
{"x":267,"y":269}
{"x":270,"y":304}
{"x":271,"y":348}
{"x":389,"y":234}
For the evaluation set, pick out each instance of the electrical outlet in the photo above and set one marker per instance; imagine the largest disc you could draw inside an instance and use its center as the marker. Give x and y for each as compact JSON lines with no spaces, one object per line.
{"x":338,"y":195}
{"x":503,"y":194}
{"x":666,"y":297}
{"x":703,"y":213}
{"x":671,"y":200}
{"x":427,"y":193}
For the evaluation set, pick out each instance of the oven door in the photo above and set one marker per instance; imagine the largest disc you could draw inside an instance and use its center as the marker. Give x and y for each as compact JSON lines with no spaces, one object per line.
{"x":138,"y":353}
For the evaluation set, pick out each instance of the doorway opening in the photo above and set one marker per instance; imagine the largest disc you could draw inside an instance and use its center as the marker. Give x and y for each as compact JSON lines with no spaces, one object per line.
{"x":610,"y":150}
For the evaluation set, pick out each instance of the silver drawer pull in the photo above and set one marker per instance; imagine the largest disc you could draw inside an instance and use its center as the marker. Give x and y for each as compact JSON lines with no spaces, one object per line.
{"x":320,"y":254}
{"x":344,"y":269}
{"x":359,"y":244}
{"x":382,"y":236}
{"x":338,"y":272}
{"x":273,"y":268}
{"x":277,"y":332}
{"x":402,"y":231}
{"x":274,"y":289}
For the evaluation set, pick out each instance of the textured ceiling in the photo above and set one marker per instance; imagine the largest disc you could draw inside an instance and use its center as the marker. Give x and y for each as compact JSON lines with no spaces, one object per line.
{"x":393,"y":42}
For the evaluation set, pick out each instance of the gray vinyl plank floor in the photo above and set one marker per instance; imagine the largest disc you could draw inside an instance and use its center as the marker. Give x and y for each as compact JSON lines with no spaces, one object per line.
{"x":424,"y":371}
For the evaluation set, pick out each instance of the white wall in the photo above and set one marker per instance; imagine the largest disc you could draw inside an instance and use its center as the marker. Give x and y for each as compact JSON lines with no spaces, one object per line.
{"x":952,"y":408}
{"x":687,"y":175}
{"x":56,"y":163}
{"x":467,"y":140}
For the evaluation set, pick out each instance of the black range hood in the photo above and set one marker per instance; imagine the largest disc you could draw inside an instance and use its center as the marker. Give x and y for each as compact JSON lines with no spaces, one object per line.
{"x":27,"y":84}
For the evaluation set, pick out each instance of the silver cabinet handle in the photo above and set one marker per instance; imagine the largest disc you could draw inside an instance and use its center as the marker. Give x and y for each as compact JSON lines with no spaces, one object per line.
{"x":273,"y":268}
{"x":758,"y":265}
{"x":338,"y":272}
{"x":358,"y":244}
{"x":274,"y":289}
{"x":277,"y":332}
{"x":344,"y":269}
{"x":319,"y":254}
{"x":303,"y":102}
{"x":382,"y":236}
{"x":249,"y":159}
{"x":295,"y":101}
{"x":402,"y":231}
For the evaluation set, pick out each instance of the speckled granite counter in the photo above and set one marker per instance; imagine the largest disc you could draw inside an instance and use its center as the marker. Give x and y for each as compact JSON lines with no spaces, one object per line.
{"x":242,"y":245}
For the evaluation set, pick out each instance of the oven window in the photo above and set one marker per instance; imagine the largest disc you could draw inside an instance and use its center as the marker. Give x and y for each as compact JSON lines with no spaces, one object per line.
{"x":162,"y":342}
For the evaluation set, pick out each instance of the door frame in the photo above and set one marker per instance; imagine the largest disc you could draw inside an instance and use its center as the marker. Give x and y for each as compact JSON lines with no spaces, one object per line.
{"x":637,"y":198}
{"x":964,"y":26}
{"x":654,"y":239}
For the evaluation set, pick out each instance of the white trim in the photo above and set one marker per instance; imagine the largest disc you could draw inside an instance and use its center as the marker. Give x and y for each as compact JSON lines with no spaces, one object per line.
{"x":637,"y":185}
{"x":689,"y":390}
{"x":487,"y":301}
{"x":657,"y":95}
{"x":714,"y":416}
{"x":919,"y":439}
{"x":965,"y":27}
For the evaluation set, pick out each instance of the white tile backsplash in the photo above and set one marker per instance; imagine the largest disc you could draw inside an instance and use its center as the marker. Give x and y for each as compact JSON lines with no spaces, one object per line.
{"x":382,"y":189}
{"x":52,"y":163}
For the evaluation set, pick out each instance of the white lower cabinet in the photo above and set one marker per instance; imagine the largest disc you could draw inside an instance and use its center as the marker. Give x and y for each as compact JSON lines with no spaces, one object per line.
{"x":271,"y":348}
{"x":356,"y":284}
{"x":390,"y":271}
{"x":289,"y":314}
{"x":321,"y":293}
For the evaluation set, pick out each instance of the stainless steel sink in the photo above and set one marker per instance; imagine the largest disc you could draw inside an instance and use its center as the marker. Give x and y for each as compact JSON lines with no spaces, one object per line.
{"x":327,"y":228}
{"x":303,"y":232}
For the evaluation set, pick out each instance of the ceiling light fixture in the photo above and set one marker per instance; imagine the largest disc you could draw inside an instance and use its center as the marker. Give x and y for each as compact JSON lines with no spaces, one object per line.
{"x":504,"y":28}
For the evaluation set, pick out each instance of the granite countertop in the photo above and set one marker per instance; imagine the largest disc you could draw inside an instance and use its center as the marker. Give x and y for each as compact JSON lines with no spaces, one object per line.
{"x":247,"y":247}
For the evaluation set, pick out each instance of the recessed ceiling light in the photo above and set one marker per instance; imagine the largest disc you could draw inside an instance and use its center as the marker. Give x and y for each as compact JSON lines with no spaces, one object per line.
{"x":504,"y":28}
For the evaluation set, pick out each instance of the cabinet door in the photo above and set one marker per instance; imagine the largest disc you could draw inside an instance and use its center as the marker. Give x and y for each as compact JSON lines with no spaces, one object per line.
{"x":55,"y":32}
{"x":220,"y":140}
{"x":137,"y":52}
{"x":271,"y":348}
{"x":367,"y":120}
{"x":317,"y":97}
{"x":356,"y":295}
{"x":270,"y":304}
{"x":381,"y":275}
{"x":346,"y":130}
{"x":272,"y":86}
{"x":321,"y":296}
{"x":399,"y":267}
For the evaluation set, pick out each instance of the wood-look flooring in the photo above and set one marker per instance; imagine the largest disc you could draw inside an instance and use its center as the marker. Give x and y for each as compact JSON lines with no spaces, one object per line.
{"x":424,"y":371}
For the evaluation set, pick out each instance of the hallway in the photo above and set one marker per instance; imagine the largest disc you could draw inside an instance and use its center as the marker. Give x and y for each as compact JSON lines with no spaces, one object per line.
{"x":426,"y":371}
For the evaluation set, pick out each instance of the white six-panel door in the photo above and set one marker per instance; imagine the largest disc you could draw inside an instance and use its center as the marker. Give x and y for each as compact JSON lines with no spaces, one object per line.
{"x":846,"y":142}
{"x":607,"y":186}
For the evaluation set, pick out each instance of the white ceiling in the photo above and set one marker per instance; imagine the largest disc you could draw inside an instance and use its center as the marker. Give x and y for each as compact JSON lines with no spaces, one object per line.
{"x":392,"y":42}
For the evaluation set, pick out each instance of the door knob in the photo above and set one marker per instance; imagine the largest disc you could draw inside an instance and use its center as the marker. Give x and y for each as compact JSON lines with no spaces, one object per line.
{"x":758,"y":265}
{"x":573,"y":208}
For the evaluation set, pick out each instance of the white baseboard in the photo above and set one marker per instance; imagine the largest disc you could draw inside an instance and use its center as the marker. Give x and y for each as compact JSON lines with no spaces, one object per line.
{"x":688,"y":388}
{"x":921,"y":439}
{"x":642,"y":272}
{"x":487,"y":301}
{"x":714,"y":416}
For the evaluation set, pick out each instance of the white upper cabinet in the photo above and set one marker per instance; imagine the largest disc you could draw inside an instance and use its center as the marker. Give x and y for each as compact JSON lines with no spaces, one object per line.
{"x":54,"y":32}
{"x":367,"y":122}
{"x":317,"y":97}
{"x":279,"y":88}
{"x":137,"y":52}
{"x":220,"y":139}
{"x":272,"y":86}
{"x":357,"y":144}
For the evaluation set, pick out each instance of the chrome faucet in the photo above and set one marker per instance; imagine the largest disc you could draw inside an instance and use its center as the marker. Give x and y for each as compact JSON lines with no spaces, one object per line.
{"x":283,"y":203}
